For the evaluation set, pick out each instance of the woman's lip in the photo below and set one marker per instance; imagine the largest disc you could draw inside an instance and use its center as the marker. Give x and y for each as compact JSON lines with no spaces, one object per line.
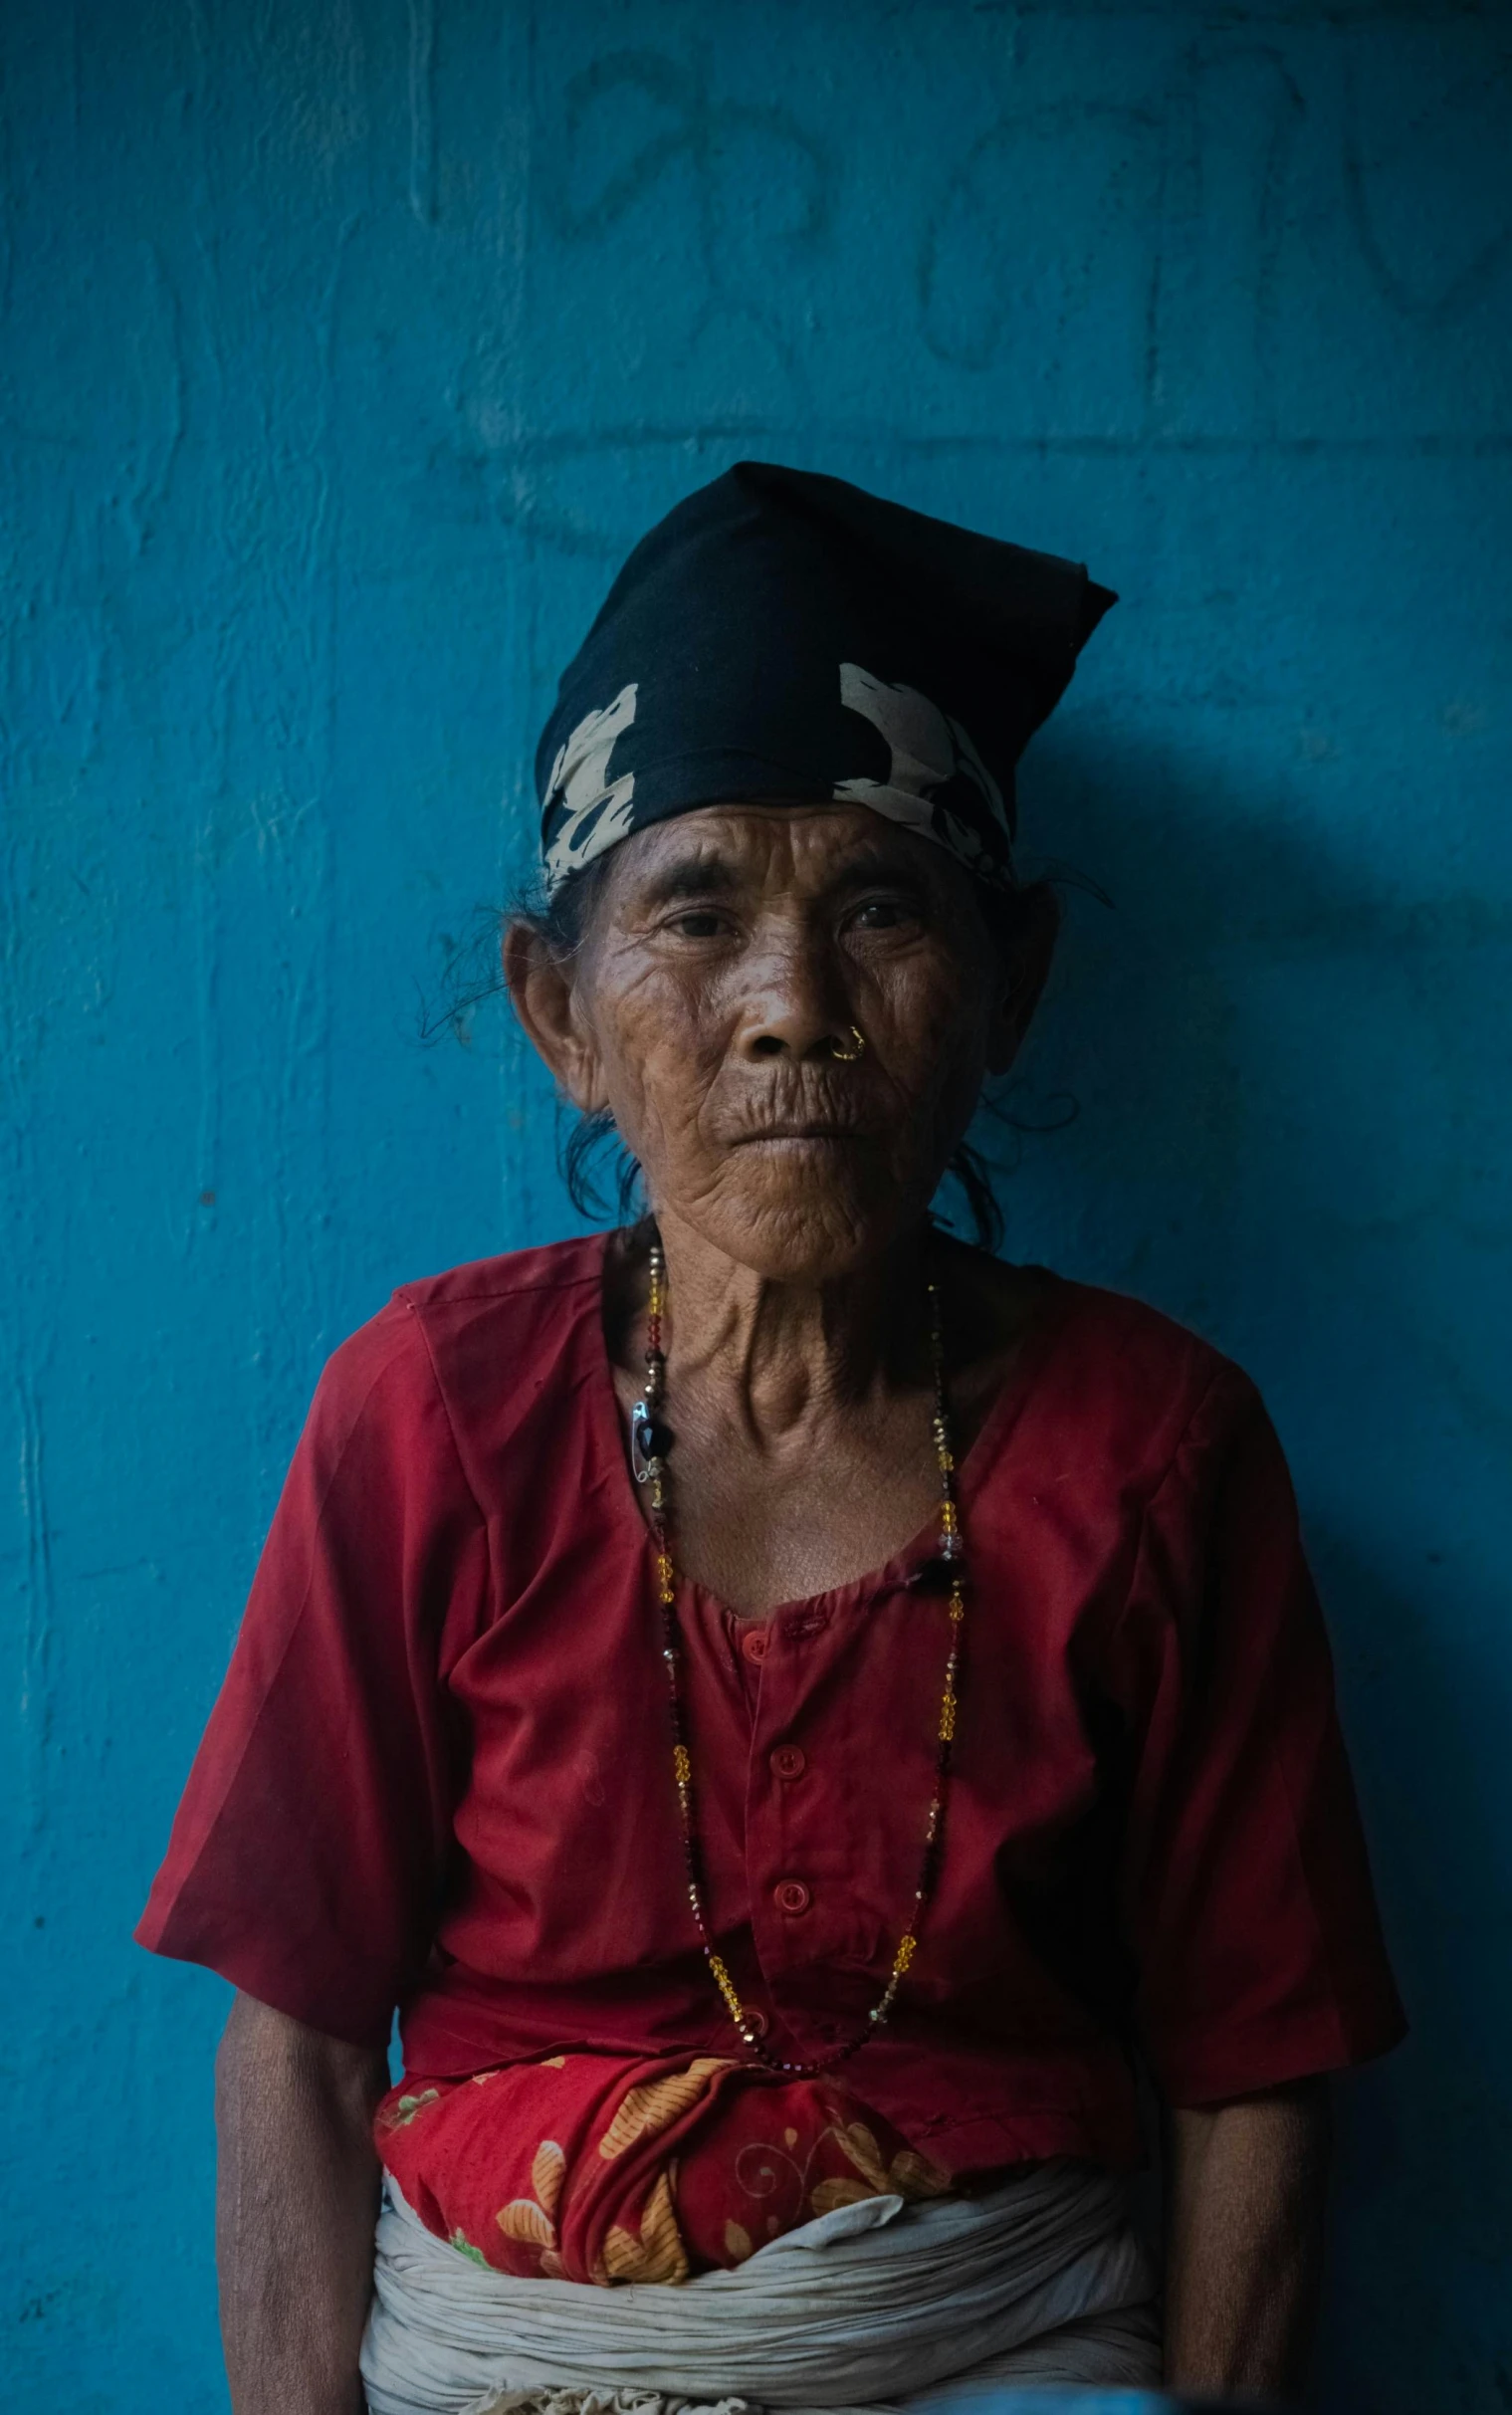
{"x":801,"y":1132}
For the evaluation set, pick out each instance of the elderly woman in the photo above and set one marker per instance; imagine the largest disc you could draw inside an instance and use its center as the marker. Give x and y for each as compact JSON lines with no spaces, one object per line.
{"x":792,"y":1711}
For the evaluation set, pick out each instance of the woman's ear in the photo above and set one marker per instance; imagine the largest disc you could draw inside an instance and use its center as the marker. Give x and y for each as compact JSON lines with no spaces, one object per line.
{"x":1031,"y":951}
{"x":542,"y":992}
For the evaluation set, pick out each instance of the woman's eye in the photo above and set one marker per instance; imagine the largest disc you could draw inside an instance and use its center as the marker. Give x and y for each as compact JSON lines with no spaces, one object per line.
{"x":700,"y":922}
{"x":884,"y":914}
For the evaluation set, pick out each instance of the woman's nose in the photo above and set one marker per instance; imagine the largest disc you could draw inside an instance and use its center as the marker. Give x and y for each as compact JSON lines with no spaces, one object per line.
{"x":796,"y":1006}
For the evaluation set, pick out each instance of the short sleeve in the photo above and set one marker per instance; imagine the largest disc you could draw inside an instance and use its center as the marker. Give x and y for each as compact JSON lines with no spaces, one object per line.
{"x":310,"y":1851}
{"x":1246,"y":1892}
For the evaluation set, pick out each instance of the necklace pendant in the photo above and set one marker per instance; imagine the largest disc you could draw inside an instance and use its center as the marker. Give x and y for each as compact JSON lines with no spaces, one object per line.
{"x":649,"y":1442}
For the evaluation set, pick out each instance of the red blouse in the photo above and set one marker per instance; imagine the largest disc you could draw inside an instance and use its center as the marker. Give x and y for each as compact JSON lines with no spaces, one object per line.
{"x":439,"y":1773}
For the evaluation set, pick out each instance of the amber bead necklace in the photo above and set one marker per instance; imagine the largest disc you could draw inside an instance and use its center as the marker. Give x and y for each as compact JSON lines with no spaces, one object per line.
{"x":650,"y":1442}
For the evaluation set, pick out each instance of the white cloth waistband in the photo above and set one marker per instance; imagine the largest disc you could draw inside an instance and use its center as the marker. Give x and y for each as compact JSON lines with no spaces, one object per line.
{"x":870,"y":2307}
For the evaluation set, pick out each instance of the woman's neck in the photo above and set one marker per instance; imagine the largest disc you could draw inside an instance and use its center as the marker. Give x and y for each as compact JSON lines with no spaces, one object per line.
{"x":772,"y":1355}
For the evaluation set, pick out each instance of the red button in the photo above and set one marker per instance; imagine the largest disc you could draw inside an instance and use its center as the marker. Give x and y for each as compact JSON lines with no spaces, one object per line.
{"x":792,"y":1895}
{"x":756,"y":1644}
{"x":789,"y":1761}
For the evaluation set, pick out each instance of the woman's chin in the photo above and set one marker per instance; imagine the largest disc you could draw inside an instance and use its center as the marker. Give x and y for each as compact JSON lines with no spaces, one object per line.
{"x":795,"y":1226}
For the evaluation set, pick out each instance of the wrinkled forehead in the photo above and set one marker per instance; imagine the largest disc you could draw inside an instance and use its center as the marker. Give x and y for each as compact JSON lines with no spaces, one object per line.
{"x":775,"y":852}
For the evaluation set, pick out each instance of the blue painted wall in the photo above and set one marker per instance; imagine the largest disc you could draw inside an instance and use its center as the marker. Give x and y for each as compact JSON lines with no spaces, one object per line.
{"x":348,"y":344}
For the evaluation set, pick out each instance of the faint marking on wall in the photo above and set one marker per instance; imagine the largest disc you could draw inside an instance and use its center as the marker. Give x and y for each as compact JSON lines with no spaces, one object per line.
{"x":1041,"y":214}
{"x":157,"y":367}
{"x":665,"y":112}
{"x":36,"y":1587}
{"x":422,"y":109}
{"x":1078,"y":186}
{"x":1434,"y":290}
{"x":1144,"y":245}
{"x":1231,"y":130}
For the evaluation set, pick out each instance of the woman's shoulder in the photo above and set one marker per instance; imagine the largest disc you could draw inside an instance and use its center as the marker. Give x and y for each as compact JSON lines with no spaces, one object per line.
{"x":1125,"y":1334}
{"x":1136,"y":1381}
{"x":492,"y":1325}
{"x":1099,"y":1373}
{"x":527,"y":1280}
{"x":1097,"y":1330}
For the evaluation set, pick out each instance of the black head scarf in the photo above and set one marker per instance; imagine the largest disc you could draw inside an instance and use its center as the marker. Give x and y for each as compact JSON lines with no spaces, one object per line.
{"x":787,"y":638}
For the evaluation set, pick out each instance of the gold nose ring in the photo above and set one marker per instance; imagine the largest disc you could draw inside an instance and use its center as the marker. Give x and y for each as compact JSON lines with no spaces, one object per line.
{"x":853,"y":1055}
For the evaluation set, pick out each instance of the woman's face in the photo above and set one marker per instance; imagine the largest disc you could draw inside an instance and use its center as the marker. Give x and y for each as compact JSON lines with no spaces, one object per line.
{"x":730,"y":953}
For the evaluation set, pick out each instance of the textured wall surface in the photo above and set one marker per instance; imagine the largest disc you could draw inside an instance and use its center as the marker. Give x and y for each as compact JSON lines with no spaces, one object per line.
{"x":348,"y":344}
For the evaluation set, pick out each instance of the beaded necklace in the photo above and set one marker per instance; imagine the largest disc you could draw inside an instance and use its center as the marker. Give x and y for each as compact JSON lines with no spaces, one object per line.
{"x":650,"y":1441}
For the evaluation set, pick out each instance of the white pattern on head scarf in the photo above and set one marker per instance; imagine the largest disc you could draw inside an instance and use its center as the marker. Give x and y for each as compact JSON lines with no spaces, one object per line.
{"x":598,"y":810}
{"x":928,"y":749}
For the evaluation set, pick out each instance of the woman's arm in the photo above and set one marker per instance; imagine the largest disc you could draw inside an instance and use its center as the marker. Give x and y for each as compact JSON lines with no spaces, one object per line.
{"x":297,"y":2202}
{"x":1245,"y":2189}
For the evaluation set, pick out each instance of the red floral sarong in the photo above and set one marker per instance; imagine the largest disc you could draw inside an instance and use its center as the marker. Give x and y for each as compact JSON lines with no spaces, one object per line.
{"x":611,"y":2169}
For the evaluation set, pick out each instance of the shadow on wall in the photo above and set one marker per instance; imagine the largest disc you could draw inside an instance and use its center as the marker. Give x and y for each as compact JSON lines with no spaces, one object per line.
{"x":1261,"y":1048}
{"x":1292,"y":1112}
